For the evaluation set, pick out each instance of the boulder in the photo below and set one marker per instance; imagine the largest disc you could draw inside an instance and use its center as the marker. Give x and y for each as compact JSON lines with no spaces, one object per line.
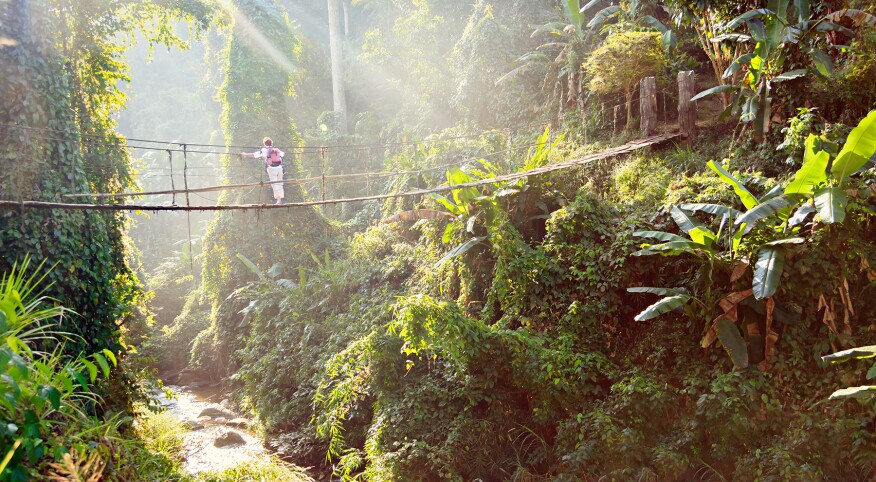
{"x":238,"y":423}
{"x":229,"y":438}
{"x":193,"y":425}
{"x":215,"y":413}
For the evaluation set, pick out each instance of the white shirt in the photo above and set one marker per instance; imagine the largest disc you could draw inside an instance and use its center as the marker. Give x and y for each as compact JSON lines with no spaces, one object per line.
{"x":263,"y":153}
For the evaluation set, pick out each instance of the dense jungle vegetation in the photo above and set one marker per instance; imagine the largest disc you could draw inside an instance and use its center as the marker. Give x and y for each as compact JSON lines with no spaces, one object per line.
{"x":695,"y":310}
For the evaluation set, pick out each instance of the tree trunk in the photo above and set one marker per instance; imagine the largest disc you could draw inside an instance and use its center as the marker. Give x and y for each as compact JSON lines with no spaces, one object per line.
{"x":629,"y":96}
{"x":337,"y":54}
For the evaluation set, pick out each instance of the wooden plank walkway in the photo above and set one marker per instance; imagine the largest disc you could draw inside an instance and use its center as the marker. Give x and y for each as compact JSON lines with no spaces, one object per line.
{"x":581,"y":161}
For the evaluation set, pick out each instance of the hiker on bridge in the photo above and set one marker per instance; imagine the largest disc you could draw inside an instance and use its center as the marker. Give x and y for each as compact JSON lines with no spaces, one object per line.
{"x":273,"y":163}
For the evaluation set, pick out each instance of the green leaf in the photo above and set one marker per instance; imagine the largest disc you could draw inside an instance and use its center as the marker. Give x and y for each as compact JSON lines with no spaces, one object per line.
{"x":110,"y":356}
{"x":714,"y":90}
{"x":733,"y":342}
{"x":453,"y":208}
{"x":768,"y":271}
{"x":252,"y":267}
{"x":50,"y":393}
{"x":683,"y":220}
{"x":801,"y":214}
{"x":92,"y":369}
{"x":858,"y":149}
{"x":782,"y":242}
{"x":672,"y":248}
{"x":831,"y":204}
{"x":104,"y":366}
{"x":854,"y":392}
{"x":603,"y":16}
{"x":747,"y":16}
{"x":822,"y":62}
{"x":812,"y":172}
{"x":791,"y":74}
{"x":83,"y":382}
{"x":665,"y":305}
{"x":737,"y":64}
{"x":716,"y":209}
{"x":657,"y":291}
{"x":859,"y":353}
{"x":462,"y":248}
{"x":761,"y":211}
{"x":573,"y":10}
{"x":660,"y":236}
{"x":748,"y":199}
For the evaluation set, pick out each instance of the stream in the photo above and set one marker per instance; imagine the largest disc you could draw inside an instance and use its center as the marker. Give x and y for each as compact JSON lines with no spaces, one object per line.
{"x":201,"y":454}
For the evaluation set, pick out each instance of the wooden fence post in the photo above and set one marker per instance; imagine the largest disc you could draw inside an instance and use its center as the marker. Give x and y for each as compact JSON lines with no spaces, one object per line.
{"x":616,"y":115}
{"x":687,"y":110}
{"x":648,"y":106}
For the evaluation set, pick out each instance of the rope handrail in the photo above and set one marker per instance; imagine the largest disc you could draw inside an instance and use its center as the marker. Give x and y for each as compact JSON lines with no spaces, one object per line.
{"x":611,"y":152}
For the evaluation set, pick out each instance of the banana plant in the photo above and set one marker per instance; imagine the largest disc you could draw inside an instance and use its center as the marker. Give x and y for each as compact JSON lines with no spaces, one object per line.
{"x":776,"y":31}
{"x":859,"y":353}
{"x":819,"y":186}
{"x":628,"y":16}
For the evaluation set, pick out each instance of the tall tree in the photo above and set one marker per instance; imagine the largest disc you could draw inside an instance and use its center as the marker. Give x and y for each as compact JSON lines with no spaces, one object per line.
{"x":337,"y":53}
{"x":61,"y":65}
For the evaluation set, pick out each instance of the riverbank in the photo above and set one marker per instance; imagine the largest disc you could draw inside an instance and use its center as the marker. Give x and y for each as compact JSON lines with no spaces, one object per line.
{"x":187,"y":439}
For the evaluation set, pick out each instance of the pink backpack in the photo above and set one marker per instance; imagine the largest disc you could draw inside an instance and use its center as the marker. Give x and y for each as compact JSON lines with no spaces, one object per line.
{"x":272,"y":157}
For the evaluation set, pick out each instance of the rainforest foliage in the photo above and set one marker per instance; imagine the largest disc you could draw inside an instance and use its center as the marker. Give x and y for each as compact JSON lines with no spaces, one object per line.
{"x":666,"y":315}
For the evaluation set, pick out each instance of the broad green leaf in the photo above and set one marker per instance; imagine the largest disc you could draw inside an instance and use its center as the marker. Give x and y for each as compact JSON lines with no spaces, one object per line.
{"x":252,"y":267}
{"x":781,"y":242}
{"x":660,"y":236}
{"x":737,"y":65}
{"x":590,"y":4}
{"x":50,"y":393}
{"x":714,"y":90}
{"x":821,"y":61}
{"x":603,"y":16}
{"x":672,"y":248}
{"x":747,"y":16}
{"x":716,"y":209}
{"x":92,"y":369}
{"x":110,"y":356}
{"x":791,"y":74}
{"x":79,"y":378}
{"x":855,"y":392}
{"x":748,"y":199}
{"x":858,"y":149}
{"x":774,"y":192}
{"x":684,"y":220}
{"x":701,"y":235}
{"x":104,"y":366}
{"x":831,"y":204}
{"x":573,"y":10}
{"x":733,"y":342}
{"x":768,"y":271}
{"x":802,"y":9}
{"x":801,"y":214}
{"x":456,"y":176}
{"x":812,"y":172}
{"x":453,"y":208}
{"x":663,"y":306}
{"x":761,"y":211}
{"x":462,"y":248}
{"x":657,"y":291}
{"x":859,"y":353}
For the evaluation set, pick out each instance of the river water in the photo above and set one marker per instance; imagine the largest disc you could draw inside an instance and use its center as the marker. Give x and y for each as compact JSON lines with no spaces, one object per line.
{"x":201,"y":454}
